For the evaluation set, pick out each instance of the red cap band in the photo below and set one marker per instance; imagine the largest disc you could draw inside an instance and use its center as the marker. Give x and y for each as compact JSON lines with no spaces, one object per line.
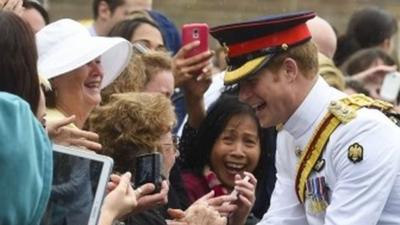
{"x":290,"y":36}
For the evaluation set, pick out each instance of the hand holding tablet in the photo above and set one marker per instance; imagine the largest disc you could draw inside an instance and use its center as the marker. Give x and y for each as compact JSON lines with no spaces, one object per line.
{"x":121,"y":201}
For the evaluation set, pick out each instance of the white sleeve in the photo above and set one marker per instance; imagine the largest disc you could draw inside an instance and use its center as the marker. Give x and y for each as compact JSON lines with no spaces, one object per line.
{"x":285,"y":208}
{"x":362,"y":189}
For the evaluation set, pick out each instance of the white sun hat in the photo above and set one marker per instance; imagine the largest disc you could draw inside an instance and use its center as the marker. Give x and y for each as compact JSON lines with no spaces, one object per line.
{"x":66,"y":45}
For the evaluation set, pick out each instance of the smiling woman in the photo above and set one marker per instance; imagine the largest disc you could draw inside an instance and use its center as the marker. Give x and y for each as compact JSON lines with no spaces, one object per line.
{"x":228,"y":142}
{"x":78,"y":66}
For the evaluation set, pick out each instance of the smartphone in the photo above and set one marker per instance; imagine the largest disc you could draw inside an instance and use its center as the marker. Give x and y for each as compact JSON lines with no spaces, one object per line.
{"x":192,"y":32}
{"x":390,"y":86}
{"x":148,"y":170}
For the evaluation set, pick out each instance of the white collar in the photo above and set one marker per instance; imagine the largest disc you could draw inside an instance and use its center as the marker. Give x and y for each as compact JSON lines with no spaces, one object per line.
{"x":311,"y":108}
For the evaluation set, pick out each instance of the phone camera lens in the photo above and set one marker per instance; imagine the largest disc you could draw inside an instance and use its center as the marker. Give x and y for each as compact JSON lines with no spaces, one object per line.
{"x":196,"y":33}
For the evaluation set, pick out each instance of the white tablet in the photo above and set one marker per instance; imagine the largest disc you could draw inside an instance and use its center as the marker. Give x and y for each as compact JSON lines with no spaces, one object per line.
{"x":79,"y":185}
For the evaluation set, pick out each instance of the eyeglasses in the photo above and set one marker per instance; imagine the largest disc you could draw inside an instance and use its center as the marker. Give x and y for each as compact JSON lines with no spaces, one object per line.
{"x":140,"y":48}
{"x":143,"y":48}
{"x":171,"y":147}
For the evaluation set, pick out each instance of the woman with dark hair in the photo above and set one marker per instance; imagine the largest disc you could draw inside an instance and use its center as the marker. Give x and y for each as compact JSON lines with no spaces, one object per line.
{"x":18,"y":59}
{"x":368,"y":27}
{"x":142,"y":30}
{"x":227,"y":143}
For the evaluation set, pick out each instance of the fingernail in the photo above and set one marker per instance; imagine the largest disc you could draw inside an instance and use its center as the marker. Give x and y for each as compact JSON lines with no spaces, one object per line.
{"x":128,"y":175}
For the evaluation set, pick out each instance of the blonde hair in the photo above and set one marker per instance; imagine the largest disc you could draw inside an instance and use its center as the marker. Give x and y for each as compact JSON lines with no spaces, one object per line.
{"x":132,"y":124}
{"x":305,"y":55}
{"x":140,"y":70}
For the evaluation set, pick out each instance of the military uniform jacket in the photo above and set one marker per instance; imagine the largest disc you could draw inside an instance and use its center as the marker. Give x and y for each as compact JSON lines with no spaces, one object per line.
{"x":363,"y":190}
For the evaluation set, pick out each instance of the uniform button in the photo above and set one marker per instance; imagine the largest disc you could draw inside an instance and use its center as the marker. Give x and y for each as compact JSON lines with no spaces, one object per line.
{"x":298,"y":151}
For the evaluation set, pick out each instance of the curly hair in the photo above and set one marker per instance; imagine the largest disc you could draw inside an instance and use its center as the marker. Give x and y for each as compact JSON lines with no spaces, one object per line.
{"x":132,"y":124}
{"x":138,"y":73}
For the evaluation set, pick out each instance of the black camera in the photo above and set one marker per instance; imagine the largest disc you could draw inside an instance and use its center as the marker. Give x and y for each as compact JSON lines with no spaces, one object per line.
{"x":148,"y":170}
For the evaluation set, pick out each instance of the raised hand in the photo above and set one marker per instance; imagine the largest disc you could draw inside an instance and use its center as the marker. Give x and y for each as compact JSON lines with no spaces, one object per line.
{"x":246,"y":198}
{"x":146,"y":200}
{"x":11,"y":5}
{"x":61,"y":134}
{"x":372,"y":78}
{"x":187,"y":68}
{"x":120,"y":201}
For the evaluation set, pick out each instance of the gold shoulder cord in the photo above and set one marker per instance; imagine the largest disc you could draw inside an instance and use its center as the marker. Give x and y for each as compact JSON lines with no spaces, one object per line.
{"x":341,"y":111}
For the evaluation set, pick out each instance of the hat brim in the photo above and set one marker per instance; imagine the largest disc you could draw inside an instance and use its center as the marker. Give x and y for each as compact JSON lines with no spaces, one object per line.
{"x":114,"y":52}
{"x":246,"y":70}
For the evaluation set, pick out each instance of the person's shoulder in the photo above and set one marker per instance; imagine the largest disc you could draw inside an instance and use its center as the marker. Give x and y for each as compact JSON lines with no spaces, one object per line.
{"x":195,"y":186}
{"x":370,"y":126}
{"x":10,"y":99}
{"x":375,"y":118}
{"x":13,"y":108}
{"x":189,"y":178}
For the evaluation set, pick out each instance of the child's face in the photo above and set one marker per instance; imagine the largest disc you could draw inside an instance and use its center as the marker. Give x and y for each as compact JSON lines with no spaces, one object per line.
{"x":237,"y":149}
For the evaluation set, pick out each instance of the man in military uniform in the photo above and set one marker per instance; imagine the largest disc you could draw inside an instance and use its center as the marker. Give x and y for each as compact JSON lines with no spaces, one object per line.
{"x":338,"y":157}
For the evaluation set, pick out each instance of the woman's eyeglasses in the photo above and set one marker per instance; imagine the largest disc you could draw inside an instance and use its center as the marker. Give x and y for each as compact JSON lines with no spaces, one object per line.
{"x":172,"y":147}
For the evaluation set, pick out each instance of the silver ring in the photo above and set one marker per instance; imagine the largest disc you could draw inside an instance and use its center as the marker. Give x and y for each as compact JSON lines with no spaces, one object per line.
{"x":138,"y":192}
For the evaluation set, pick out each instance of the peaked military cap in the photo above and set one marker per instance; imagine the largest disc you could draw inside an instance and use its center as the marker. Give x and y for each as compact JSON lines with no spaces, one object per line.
{"x":250,"y":45}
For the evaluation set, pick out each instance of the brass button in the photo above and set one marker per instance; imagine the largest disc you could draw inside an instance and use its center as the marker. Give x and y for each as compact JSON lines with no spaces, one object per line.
{"x":298,"y":151}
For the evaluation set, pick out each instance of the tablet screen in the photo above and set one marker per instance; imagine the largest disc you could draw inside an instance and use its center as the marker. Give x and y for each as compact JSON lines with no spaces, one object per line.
{"x":75,"y":187}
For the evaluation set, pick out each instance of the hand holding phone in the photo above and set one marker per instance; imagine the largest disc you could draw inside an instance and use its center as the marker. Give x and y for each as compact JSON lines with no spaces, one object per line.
{"x":148,"y":170}
{"x":195,"y":32}
{"x":390,"y":86}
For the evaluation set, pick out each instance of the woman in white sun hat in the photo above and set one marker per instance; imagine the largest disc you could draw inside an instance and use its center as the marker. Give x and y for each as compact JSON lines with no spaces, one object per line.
{"x":78,"y":66}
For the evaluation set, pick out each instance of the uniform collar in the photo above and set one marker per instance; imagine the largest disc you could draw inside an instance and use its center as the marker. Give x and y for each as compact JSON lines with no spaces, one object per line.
{"x":309,"y":110}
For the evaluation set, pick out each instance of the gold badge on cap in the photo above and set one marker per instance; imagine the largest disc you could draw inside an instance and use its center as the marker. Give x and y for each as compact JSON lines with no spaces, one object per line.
{"x":355,"y":153}
{"x":225,"y":48}
{"x":285,"y":46}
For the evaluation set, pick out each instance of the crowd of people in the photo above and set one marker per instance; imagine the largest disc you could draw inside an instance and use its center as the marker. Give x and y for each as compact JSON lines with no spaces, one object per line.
{"x":284,"y":123}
